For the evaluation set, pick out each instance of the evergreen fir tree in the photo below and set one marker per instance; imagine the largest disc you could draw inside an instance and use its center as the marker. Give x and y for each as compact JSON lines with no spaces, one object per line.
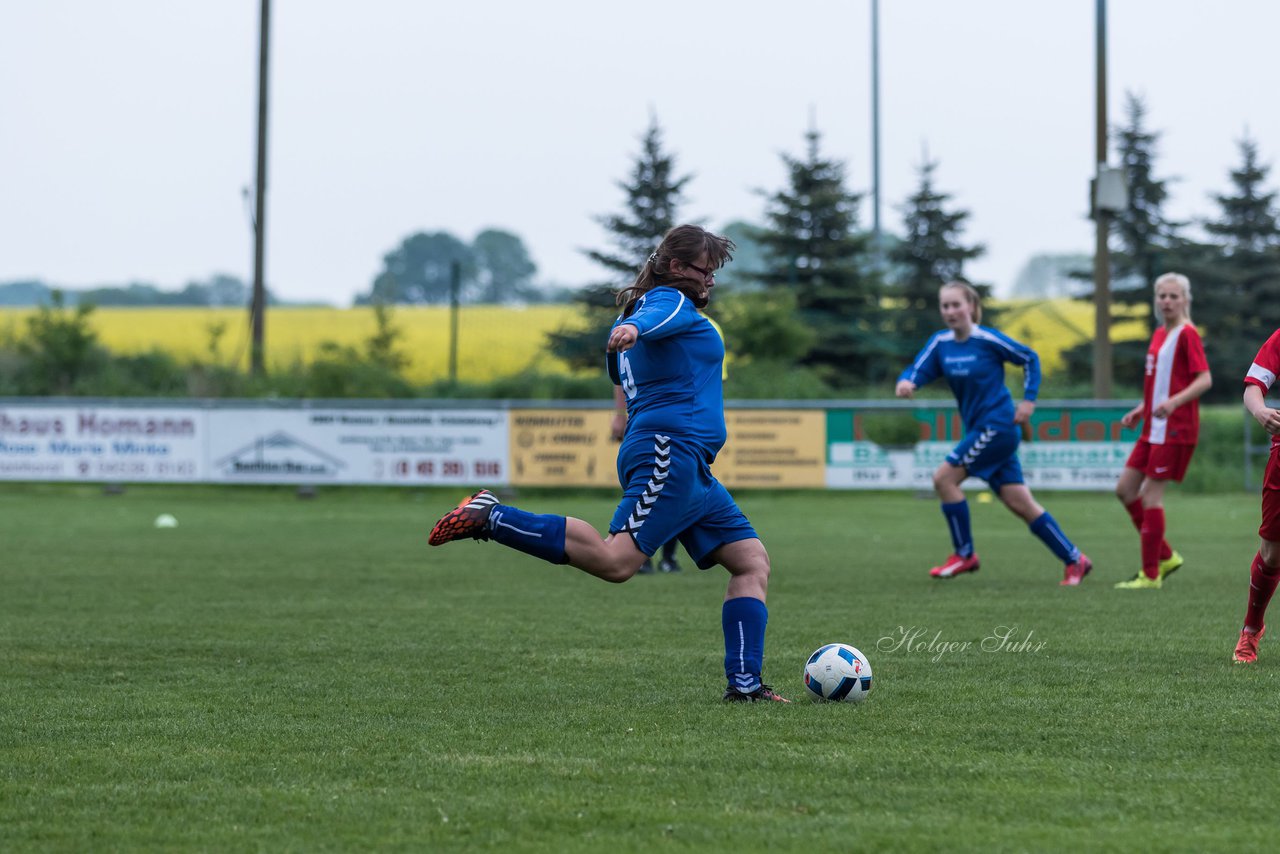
{"x":1247,"y":226}
{"x":928,"y":256}
{"x":653,"y":197}
{"x":1145,"y":244}
{"x":1147,"y":239}
{"x":1236,"y":278}
{"x":813,"y":248}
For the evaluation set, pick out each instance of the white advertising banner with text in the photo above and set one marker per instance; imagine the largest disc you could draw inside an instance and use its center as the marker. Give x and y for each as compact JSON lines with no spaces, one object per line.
{"x":97,"y":443}
{"x":370,"y":446}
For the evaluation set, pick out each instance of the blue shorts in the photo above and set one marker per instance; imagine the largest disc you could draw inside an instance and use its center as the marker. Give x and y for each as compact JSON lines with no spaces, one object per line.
{"x":990,"y":453}
{"x":669,"y":492}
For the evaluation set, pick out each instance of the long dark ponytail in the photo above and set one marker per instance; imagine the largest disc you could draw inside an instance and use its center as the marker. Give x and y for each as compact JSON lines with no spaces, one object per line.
{"x":684,"y":243}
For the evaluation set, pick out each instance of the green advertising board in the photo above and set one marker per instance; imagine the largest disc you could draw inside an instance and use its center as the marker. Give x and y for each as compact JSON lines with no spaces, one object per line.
{"x":1072,"y":446}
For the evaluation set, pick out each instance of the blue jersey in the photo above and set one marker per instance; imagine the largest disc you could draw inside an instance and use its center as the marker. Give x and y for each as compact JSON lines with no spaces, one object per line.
{"x":974,"y":369}
{"x":672,"y":376}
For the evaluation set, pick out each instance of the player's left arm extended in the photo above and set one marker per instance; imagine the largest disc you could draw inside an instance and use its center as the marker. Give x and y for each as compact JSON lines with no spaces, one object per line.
{"x":658,"y":314}
{"x":663,"y":313}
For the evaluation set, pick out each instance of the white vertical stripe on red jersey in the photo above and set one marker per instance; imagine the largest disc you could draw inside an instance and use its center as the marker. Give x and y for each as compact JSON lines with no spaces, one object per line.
{"x":1160,"y":389}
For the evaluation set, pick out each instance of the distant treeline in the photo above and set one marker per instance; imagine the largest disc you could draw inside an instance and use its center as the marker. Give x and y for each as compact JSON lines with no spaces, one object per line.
{"x":823,"y":299}
{"x":218,"y":290}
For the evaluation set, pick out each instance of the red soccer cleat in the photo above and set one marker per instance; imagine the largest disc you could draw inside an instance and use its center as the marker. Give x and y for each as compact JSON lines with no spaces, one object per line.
{"x":1247,"y":647}
{"x":469,"y":520}
{"x":1076,"y":571}
{"x":954,"y":565}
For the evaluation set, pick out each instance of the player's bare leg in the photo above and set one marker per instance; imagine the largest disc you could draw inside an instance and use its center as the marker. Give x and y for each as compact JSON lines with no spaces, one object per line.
{"x":556,"y":539}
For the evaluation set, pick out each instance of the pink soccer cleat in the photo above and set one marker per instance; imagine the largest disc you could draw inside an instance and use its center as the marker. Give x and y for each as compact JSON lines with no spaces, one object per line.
{"x":955,"y":565}
{"x":1076,"y":571}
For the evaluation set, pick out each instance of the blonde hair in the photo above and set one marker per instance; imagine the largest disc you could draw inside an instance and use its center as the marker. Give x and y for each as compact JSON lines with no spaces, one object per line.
{"x":1178,"y":279}
{"x":971,"y":296}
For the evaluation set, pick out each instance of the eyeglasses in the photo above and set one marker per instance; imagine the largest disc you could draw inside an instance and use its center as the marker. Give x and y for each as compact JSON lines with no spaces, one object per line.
{"x":709,"y":275}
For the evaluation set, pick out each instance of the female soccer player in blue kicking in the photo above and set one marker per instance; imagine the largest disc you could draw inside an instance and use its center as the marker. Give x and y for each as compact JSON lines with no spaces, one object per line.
{"x":972,"y":358}
{"x":667,"y":358}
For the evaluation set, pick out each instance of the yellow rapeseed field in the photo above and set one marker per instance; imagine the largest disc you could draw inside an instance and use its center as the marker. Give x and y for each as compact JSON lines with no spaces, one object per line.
{"x":493,"y":341}
{"x":1051,"y":326}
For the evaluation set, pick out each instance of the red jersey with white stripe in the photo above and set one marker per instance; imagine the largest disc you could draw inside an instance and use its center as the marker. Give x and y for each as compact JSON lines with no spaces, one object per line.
{"x":1173,"y":360}
{"x":1266,"y":365}
{"x":1265,"y":368}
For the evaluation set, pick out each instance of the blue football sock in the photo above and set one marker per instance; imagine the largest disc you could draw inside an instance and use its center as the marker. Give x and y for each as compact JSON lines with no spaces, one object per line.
{"x":744,"y":620}
{"x":540,"y":535}
{"x":1046,"y":528}
{"x":957,"y":516}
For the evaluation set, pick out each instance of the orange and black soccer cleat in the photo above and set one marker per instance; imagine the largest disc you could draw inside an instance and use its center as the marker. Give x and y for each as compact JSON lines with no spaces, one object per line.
{"x":469,"y":520}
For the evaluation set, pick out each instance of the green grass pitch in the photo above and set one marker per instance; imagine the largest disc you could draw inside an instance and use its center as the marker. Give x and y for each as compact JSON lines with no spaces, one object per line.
{"x":285,"y":675}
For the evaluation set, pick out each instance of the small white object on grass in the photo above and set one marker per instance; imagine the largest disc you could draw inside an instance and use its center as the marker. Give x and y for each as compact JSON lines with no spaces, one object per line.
{"x":164,"y":520}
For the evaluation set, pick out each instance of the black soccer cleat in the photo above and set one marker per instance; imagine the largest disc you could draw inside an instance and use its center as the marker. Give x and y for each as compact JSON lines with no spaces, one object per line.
{"x":764,"y":692}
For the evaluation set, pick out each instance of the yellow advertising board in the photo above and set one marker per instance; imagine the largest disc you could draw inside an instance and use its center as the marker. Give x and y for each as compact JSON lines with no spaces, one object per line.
{"x":562,"y":447}
{"x":773,"y":448}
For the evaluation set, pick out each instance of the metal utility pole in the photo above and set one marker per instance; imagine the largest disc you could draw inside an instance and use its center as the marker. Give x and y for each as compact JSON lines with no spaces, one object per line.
{"x":1102,"y":222}
{"x":257,"y":307}
{"x":455,"y":289}
{"x":875,"y":124}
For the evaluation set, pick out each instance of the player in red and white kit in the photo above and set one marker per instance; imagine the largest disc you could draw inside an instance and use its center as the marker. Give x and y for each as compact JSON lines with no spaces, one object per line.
{"x":1265,"y":571}
{"x":1177,"y":374}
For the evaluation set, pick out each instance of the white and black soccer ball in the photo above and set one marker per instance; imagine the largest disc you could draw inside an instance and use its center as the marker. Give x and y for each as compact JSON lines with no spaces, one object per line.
{"x":837,"y":672}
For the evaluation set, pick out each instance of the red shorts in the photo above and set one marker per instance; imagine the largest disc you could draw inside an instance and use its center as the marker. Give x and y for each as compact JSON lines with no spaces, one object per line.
{"x":1270,"y":528}
{"x":1161,"y":462}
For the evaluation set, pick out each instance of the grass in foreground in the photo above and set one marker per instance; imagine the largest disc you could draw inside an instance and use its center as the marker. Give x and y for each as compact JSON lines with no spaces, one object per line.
{"x":284,"y":675}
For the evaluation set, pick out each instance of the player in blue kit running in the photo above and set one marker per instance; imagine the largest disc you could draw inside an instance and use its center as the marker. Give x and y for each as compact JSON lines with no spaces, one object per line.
{"x":668,"y":359}
{"x":972,"y":358}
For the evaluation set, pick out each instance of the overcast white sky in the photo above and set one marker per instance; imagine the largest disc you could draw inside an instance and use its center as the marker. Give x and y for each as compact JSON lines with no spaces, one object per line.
{"x":127,"y":128}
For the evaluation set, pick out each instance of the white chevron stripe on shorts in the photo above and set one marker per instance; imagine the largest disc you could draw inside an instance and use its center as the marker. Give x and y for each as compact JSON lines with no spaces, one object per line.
{"x":979,"y":445}
{"x":657,"y":480}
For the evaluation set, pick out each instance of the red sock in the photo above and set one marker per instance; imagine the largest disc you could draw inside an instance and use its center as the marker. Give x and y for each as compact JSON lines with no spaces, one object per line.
{"x":1262,"y":583}
{"x":1152,"y":536}
{"x":1136,"y":513}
